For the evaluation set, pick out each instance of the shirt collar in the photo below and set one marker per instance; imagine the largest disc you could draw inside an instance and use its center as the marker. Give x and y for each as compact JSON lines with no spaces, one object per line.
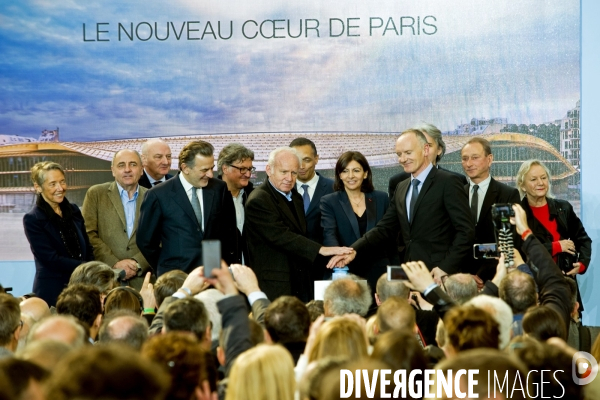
{"x":186,"y":185}
{"x":482,"y":185}
{"x":121,"y":191}
{"x":151,"y":179}
{"x":288,"y":196}
{"x":312,"y":183}
{"x":423,"y":175}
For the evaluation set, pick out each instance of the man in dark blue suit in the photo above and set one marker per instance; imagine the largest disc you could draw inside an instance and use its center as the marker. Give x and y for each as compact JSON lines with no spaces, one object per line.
{"x":312,"y":186}
{"x":178,"y":214}
{"x":156,"y":159}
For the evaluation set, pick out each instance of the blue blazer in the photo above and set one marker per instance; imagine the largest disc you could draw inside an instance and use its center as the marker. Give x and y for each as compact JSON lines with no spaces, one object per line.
{"x":314,"y":231}
{"x":53,"y":265}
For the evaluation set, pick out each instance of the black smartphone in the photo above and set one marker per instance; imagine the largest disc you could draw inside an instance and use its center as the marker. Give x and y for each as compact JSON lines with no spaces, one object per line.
{"x":396,"y":273}
{"x":486,"y":251}
{"x":211,"y":256}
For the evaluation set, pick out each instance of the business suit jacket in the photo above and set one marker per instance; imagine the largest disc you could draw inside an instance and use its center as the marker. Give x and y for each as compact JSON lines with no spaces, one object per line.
{"x":314,"y":231}
{"x":145,"y":182}
{"x":485,"y":232}
{"x":169,"y":235}
{"x":238,"y":240}
{"x":340,"y":228}
{"x":441,"y":232}
{"x":53,"y":265}
{"x":106,"y":225}
{"x":399,"y":177}
{"x":280,"y":253}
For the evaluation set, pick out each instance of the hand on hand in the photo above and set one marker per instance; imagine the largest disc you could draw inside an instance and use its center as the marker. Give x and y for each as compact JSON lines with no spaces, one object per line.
{"x":335,"y":251}
{"x":567,"y":246}
{"x":575,"y":270}
{"x":341,"y":260}
{"x":129,"y":266}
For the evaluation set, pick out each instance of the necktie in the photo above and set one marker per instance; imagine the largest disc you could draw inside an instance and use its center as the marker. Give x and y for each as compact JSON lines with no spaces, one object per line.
{"x":305,"y":198}
{"x":156,"y":183}
{"x":474,"y":203}
{"x":196,"y":207}
{"x":414,"y":197}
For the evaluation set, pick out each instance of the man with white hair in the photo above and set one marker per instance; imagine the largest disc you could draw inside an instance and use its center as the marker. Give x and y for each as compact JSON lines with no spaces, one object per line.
{"x":279,"y":250}
{"x":156,"y":159}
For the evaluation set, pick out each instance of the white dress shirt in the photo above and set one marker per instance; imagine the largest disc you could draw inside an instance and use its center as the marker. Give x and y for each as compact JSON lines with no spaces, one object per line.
{"x":312,"y":186}
{"x":188,"y":190}
{"x":483,"y":188}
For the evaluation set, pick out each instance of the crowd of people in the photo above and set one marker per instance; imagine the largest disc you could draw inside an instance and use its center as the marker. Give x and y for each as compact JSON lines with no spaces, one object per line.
{"x":122,"y":309}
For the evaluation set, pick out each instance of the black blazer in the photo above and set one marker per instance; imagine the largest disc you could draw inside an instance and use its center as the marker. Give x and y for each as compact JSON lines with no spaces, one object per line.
{"x":314,"y":231}
{"x":484,"y":230}
{"x":169,"y":235}
{"x":280,"y":253}
{"x":441,"y":233}
{"x":145,"y":182}
{"x":399,"y":177}
{"x":53,"y":265}
{"x":238,"y":241}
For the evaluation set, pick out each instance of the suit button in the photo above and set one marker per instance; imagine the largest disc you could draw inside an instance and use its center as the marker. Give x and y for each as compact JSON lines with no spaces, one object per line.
{"x":128,"y":248}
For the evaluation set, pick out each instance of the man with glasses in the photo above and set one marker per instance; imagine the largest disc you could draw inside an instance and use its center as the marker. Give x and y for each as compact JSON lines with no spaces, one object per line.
{"x":10,"y":325}
{"x":235,"y":166}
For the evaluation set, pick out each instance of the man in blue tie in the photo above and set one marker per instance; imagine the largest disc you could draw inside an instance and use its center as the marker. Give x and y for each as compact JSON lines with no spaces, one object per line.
{"x":430,"y":210}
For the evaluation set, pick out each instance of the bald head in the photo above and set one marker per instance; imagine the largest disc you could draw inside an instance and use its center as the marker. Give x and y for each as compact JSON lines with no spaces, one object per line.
{"x":461,"y":287}
{"x":63,"y":328}
{"x":36,"y":308}
{"x":347,"y":296}
{"x":124,"y":327}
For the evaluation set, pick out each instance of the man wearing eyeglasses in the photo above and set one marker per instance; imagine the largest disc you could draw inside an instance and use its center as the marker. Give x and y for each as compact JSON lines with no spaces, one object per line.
{"x":10,"y":324}
{"x":235,"y":166}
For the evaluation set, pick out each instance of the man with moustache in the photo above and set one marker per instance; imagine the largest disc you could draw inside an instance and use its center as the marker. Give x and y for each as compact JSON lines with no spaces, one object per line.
{"x":111,"y":212}
{"x":156,"y":158}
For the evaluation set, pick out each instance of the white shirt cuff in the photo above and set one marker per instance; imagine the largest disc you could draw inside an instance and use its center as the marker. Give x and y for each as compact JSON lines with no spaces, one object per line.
{"x":252,"y":297}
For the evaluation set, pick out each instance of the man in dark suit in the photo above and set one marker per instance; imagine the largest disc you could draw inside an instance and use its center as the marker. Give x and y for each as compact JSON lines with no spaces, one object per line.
{"x":437,"y":149}
{"x":177,"y":215}
{"x":279,"y":250}
{"x":477,"y":159}
{"x":312,"y":186}
{"x":235,"y":168}
{"x":431,"y":212}
{"x":156,"y":158}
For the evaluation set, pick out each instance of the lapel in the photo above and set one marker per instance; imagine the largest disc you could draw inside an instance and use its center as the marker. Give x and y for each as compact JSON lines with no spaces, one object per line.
{"x":347,"y":207}
{"x":401,"y":192}
{"x":316,"y":195}
{"x":371,"y":205}
{"x":280,"y":203}
{"x":207,"y":201}
{"x":490,"y":198}
{"x":181,"y":199}
{"x":115,"y":199}
{"x":426,"y":185}
{"x":138,"y":206}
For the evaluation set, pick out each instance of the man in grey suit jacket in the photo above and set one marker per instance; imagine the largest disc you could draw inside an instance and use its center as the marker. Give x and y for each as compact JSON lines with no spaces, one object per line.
{"x":111,"y":212}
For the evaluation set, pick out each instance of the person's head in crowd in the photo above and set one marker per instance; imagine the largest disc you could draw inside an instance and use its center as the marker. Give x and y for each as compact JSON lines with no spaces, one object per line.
{"x":167,"y":284}
{"x":36,"y":308}
{"x":347,"y":296}
{"x":62,"y":328}
{"x":413,"y":151}
{"x":126,"y":168}
{"x":95,"y":273}
{"x":543,"y":323}
{"x":400,"y":350}
{"x":123,"y":298}
{"x":183,"y":358}
{"x":26,"y":378}
{"x":108,"y":372}
{"x":330,"y":388}
{"x":315,"y":309}
{"x":531,"y":175}
{"x":386,"y":289}
{"x":311,"y":383}
{"x":45,"y":352}
{"x":468,"y":327}
{"x":574,"y":303}
{"x":440,"y":334}
{"x":82,"y":301}
{"x":340,"y":336}
{"x":27,"y":323}
{"x":10,"y":323}
{"x":500,"y":311}
{"x":352,"y":172}
{"x":308,"y":158}
{"x":209,"y":298}
{"x":235,"y":166}
{"x":395,"y":313}
{"x":263,"y":372}
{"x":477,"y":158}
{"x":518,"y":290}
{"x":539,"y":356}
{"x":189,"y":315}
{"x":460,"y":287}
{"x":156,"y":158}
{"x":282,"y":168}
{"x":492,"y":365}
{"x":196,"y":163}
{"x":372,"y":329}
{"x":437,"y":147}
{"x":257,"y":336}
{"x":287,"y":320}
{"x":124,"y":326}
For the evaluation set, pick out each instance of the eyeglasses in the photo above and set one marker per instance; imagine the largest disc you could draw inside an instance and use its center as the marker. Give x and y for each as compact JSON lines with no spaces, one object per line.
{"x":243,"y":170}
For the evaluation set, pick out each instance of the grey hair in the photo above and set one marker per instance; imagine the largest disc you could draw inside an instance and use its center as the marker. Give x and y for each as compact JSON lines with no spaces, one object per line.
{"x":499,"y":310}
{"x":348,"y":296}
{"x":524,"y":169}
{"x":80,"y":339}
{"x":461,"y":287}
{"x":39,"y":171}
{"x":386,"y":289}
{"x":210,"y":297}
{"x":150,"y":142}
{"x":435,"y":134}
{"x":273,"y":155}
{"x":231,"y":153}
{"x":112,"y":162}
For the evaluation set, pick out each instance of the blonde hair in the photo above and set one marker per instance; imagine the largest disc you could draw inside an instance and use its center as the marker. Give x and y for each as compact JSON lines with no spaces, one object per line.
{"x":39,"y":170}
{"x":265,"y":372}
{"x":340,"y":337}
{"x":524,"y":170}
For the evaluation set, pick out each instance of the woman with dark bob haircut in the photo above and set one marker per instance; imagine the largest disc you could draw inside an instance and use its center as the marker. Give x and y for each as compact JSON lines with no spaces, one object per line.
{"x":352,"y":210}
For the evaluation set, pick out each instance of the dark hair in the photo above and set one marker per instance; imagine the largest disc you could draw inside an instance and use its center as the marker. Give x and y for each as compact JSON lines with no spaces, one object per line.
{"x":123,"y":298}
{"x":188,"y":154}
{"x":82,"y":301}
{"x":10,"y":317}
{"x":518,"y":290}
{"x":95,"y":273}
{"x":573,"y":288}
{"x":20,"y":373}
{"x":400,"y":350}
{"x":167,"y":284}
{"x":487,"y":149}
{"x":134,"y":337}
{"x":304,"y":142}
{"x":257,"y":334}
{"x":469,"y":327}
{"x":287,"y":320}
{"x":542,"y":323}
{"x":342,"y":163}
{"x":188,"y":315}
{"x":315,"y":309}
